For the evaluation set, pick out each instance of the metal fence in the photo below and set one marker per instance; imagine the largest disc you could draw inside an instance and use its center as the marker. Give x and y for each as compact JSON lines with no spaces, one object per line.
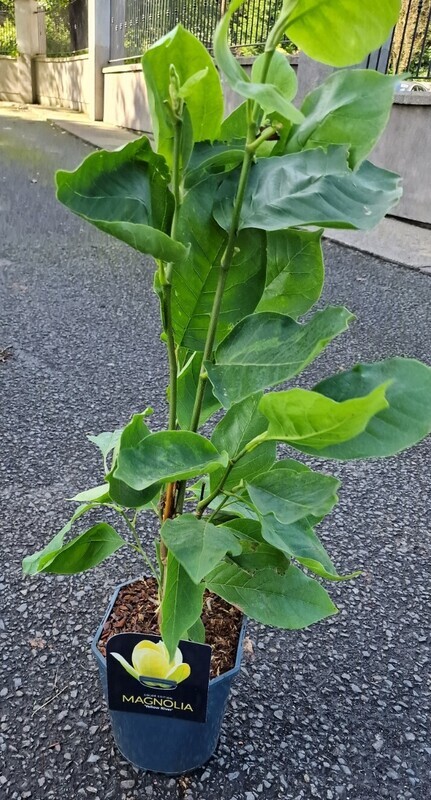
{"x":411,"y":41}
{"x":136,"y":24}
{"x":66,"y":26}
{"x":408,"y":50}
{"x":7,"y":30}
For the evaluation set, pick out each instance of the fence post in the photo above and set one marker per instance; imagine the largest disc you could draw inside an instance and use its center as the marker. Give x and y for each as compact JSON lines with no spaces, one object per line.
{"x":99,"y":24}
{"x":27,"y":39}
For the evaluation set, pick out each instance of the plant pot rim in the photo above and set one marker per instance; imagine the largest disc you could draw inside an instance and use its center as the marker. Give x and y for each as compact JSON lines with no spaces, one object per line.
{"x":101,"y":660}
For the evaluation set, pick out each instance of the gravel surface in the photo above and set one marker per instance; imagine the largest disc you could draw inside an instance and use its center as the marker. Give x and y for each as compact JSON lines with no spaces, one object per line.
{"x":335,"y":712}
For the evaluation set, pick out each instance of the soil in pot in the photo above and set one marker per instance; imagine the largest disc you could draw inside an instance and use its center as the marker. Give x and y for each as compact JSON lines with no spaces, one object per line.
{"x":135,"y":611}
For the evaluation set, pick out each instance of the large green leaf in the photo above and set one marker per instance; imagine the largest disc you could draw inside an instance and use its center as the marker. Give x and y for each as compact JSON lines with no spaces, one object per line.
{"x":291,"y":496}
{"x":187,"y":384}
{"x":340,"y":32}
{"x":125,"y":193}
{"x":294,"y":272}
{"x":266,"y":349}
{"x":269,"y":96}
{"x":212,"y":159}
{"x":242,"y":423}
{"x":406,"y":421}
{"x":167,"y":456}
{"x":310,"y":419}
{"x":85,"y":552}
{"x":35,"y":563}
{"x":299,"y":541}
{"x":204,"y":99}
{"x":194,"y":279}
{"x":198,"y":545}
{"x":181,"y":606}
{"x":351,"y":107}
{"x":313,"y":187}
{"x":290,"y":600}
{"x":134,"y":433}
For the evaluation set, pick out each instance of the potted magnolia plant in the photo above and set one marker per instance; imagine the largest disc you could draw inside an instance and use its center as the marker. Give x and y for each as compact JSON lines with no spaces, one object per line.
{"x":232,"y":211}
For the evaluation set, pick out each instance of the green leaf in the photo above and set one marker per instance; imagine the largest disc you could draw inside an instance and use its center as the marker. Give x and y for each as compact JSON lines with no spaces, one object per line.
{"x":289,"y":601}
{"x":181,"y":606}
{"x":268,"y":95}
{"x":246,"y":529}
{"x":351,"y":107}
{"x":314,"y":187}
{"x":311,"y":420}
{"x":197,"y":632}
{"x":35,"y":563}
{"x":291,"y":496}
{"x":242,"y":423}
{"x":125,"y":193}
{"x":187,"y":384}
{"x":194,"y":279}
{"x":234,"y":127}
{"x":280,"y":74}
{"x":266,"y":349}
{"x":85,"y":552}
{"x":294,"y":272}
{"x":204,"y":98}
{"x":98,"y":494}
{"x":167,"y":456}
{"x":212,"y":159}
{"x":106,"y":441}
{"x":405,"y":422}
{"x":127,"y":497}
{"x":257,"y":557}
{"x":299,"y":541}
{"x":134,"y":433}
{"x":197,"y":544}
{"x":337,"y":33}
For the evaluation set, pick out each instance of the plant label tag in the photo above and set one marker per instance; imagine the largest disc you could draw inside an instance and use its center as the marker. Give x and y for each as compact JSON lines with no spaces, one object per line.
{"x":141,"y":679}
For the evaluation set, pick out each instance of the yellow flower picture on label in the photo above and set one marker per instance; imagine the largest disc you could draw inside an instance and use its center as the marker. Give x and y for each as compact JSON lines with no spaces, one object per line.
{"x":151,"y":665}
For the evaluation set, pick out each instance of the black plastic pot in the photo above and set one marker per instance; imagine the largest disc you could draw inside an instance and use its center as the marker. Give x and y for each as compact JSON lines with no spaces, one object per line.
{"x":160,"y":744}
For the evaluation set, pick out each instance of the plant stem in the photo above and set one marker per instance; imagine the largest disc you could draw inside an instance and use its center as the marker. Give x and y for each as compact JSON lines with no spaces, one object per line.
{"x":219,"y":508}
{"x":224,"y":269}
{"x":169,"y":506}
{"x":264,"y":136}
{"x":167,"y":280}
{"x":137,"y":546}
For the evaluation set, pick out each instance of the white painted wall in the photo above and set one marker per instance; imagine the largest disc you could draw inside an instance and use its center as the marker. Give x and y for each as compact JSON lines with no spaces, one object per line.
{"x":63,"y":82}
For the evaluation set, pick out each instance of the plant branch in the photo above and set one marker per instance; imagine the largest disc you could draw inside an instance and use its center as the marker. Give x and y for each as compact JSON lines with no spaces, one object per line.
{"x":137,"y":546}
{"x":264,"y":136}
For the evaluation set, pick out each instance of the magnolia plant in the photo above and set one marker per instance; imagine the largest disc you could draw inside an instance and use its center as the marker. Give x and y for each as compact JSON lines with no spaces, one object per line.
{"x":232,"y":212}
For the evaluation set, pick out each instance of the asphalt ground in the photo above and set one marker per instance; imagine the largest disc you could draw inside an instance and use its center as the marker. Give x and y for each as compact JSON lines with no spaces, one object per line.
{"x":340,"y":710}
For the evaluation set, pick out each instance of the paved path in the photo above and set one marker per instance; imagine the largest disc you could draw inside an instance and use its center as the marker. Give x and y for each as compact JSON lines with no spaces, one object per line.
{"x":338,"y":712}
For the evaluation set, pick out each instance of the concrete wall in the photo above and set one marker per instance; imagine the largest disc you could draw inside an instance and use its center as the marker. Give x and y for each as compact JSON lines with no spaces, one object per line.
{"x":125,"y":98}
{"x":405,"y":147}
{"x":62,"y":82}
{"x":13,"y":79}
